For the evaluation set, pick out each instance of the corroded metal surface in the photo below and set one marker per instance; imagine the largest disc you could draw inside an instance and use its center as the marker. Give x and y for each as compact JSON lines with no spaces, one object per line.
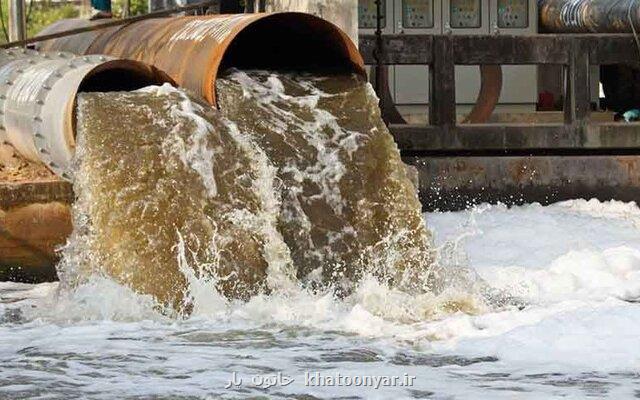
{"x":193,"y":50}
{"x":589,"y":16}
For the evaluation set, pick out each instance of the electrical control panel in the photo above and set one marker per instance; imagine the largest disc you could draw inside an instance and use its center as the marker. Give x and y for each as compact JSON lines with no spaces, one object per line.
{"x":411,"y":82}
{"x":465,"y":14}
{"x":514,"y":17}
{"x":367,"y":14}
{"x":417,"y":14}
{"x":513,"y":14}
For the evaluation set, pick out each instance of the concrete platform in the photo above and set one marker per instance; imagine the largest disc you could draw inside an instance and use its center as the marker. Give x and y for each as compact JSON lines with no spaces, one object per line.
{"x":455,"y":183}
{"x":35,"y":218}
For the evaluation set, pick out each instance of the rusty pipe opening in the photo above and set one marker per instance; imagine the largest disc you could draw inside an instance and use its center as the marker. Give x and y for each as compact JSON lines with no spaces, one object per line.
{"x":292,"y":41}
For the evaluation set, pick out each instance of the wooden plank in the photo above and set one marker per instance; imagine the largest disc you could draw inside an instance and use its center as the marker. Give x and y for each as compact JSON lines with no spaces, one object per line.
{"x":442,"y":110}
{"x":507,"y":49}
{"x":614,"y":137}
{"x":612,"y":49}
{"x":577,"y":98}
{"x":400,"y":49}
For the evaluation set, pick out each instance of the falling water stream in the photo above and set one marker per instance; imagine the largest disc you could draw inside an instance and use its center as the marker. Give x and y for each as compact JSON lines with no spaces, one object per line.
{"x":296,"y":183}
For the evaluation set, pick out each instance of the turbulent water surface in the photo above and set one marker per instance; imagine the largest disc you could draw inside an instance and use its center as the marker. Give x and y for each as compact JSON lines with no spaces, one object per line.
{"x":276,"y":249}
{"x":576,"y":263}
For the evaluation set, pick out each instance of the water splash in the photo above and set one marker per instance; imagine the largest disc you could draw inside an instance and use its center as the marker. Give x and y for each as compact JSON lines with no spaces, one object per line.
{"x":296,"y":192}
{"x":348,"y":205}
{"x":145,"y":186}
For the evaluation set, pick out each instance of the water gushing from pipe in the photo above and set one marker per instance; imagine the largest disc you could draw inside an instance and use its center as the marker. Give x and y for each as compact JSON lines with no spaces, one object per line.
{"x":297,"y":183}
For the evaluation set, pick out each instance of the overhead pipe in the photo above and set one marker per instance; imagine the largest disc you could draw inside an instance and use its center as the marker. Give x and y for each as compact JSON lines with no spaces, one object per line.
{"x":194,"y":50}
{"x":589,"y":16}
{"x":79,"y":43}
{"x":38,"y":94}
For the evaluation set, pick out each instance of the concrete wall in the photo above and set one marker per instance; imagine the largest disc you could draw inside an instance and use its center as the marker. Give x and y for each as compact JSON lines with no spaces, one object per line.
{"x":455,"y":183}
{"x":343,"y":13}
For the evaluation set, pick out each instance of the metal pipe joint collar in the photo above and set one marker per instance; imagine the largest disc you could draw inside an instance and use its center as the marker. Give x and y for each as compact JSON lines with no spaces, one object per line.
{"x":38,"y":95}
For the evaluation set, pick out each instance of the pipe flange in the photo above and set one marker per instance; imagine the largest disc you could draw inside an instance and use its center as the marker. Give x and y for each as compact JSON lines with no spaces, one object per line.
{"x":8,"y":56}
{"x":40,"y":139}
{"x":28,"y":57}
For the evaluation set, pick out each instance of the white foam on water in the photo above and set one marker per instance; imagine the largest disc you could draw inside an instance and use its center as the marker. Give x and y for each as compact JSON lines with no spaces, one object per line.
{"x":578,"y":336}
{"x":576,"y":263}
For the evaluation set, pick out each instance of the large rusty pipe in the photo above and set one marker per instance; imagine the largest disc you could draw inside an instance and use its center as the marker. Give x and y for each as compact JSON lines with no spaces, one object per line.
{"x":194,"y":50}
{"x":589,"y":16}
{"x":38,"y":94}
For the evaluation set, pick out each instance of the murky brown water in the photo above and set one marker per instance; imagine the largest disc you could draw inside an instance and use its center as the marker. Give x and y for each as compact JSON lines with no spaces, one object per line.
{"x":296,"y":181}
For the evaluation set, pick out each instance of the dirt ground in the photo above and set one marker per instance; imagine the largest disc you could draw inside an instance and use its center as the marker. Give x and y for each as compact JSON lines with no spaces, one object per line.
{"x":15,"y":168}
